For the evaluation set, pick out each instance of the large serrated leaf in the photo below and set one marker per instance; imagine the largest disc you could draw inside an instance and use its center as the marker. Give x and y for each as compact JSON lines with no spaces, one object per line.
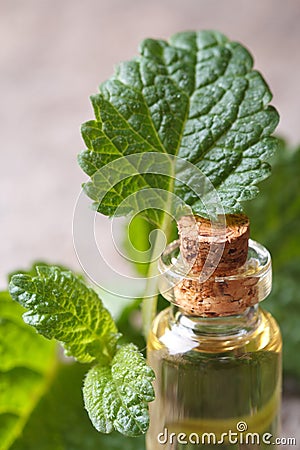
{"x":61,"y":306}
{"x":27,"y":362}
{"x":116,"y":397}
{"x":196,"y":97}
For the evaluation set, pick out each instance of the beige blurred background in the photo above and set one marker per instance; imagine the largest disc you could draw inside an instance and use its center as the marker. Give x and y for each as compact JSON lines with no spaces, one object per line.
{"x":54,"y":53}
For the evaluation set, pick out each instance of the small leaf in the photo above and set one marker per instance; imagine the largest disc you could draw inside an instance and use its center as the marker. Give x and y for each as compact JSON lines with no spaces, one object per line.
{"x":32,"y":270}
{"x":41,"y":406}
{"x":116,"y":397}
{"x":62,"y":307}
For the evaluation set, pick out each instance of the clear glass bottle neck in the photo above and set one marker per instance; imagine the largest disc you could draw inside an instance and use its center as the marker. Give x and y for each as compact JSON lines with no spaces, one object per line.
{"x":231,"y":295}
{"x":231,"y":326}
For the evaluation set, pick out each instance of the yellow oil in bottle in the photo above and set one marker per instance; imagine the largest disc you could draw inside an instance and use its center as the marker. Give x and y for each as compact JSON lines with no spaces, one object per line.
{"x":218,"y":381}
{"x":214,"y":386}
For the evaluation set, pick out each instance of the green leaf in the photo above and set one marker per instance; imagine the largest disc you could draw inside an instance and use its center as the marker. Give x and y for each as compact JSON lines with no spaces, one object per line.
{"x":61,"y":306}
{"x":41,"y":404}
{"x":59,"y":421}
{"x":196,"y":97}
{"x":32,"y":270}
{"x":116,"y":397}
{"x":275,"y":221}
{"x":27,"y":364}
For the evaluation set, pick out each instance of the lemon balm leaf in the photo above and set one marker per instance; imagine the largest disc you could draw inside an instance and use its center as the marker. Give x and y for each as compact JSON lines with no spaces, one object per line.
{"x":196,"y":97}
{"x":117,"y":397}
{"x":60,"y":306}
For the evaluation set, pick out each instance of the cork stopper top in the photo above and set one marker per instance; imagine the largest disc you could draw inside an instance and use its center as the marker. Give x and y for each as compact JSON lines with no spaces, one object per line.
{"x":222,"y":246}
{"x":204,"y":281}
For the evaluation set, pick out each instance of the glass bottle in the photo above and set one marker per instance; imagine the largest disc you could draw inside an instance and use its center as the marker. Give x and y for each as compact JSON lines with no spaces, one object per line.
{"x":218,"y":379}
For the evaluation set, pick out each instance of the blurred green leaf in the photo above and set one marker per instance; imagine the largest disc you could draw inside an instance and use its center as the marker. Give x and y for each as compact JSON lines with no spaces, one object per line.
{"x":130,"y":324}
{"x":60,"y":422}
{"x":138,"y":240}
{"x":275,"y":222}
{"x":27,"y":364}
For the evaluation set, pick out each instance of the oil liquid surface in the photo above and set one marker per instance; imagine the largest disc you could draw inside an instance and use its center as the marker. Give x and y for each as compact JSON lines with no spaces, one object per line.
{"x":213,"y":387}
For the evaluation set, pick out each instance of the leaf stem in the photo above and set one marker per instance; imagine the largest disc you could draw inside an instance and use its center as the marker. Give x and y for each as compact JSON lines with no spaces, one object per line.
{"x":149,"y":303}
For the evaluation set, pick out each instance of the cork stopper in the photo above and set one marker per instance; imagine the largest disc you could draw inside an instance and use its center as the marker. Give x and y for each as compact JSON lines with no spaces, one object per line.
{"x":200,"y":244}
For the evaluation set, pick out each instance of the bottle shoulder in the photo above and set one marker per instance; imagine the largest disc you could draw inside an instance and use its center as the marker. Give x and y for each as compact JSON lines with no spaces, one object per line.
{"x":174,"y":338}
